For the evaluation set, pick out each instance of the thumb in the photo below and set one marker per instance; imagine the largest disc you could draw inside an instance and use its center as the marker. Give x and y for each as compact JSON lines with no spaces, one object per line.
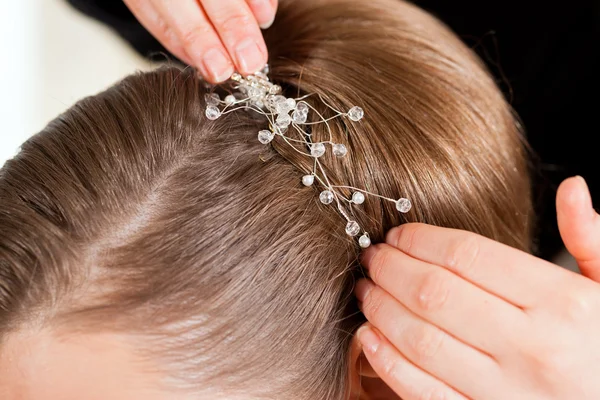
{"x":579,"y":225}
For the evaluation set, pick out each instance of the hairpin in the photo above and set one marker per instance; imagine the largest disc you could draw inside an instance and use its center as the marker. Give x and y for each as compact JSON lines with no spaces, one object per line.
{"x":257,"y":93}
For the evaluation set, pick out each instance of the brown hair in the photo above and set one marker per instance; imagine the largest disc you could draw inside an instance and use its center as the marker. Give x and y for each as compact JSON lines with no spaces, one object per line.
{"x":133,"y":213}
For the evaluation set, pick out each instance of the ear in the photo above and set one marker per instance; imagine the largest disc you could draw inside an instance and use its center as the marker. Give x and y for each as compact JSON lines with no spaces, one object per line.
{"x":364,"y":381}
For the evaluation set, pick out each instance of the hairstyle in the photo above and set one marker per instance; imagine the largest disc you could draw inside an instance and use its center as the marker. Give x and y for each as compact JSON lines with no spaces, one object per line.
{"x":133,"y":213}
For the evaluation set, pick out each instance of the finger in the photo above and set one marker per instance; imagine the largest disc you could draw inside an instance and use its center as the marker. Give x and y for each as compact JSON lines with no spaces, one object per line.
{"x":437,"y":295}
{"x":403,"y":377}
{"x":264,"y":11}
{"x":200,"y":41}
{"x":150,"y":19}
{"x":511,"y":274}
{"x":239,"y":32}
{"x":425,"y":345}
{"x":579,"y":225}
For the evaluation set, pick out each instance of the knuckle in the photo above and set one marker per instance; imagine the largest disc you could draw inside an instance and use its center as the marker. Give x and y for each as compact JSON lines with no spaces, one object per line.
{"x":406,"y":237}
{"x":379,"y":264}
{"x":234,"y":22}
{"x":431,"y":294}
{"x":548,"y":363}
{"x":197,"y":35}
{"x":463,"y":254}
{"x":425,"y":344}
{"x":373,"y":304}
{"x":578,"y":306}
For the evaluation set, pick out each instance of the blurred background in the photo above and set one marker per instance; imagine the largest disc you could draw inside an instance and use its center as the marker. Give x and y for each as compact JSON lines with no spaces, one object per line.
{"x":52,"y":57}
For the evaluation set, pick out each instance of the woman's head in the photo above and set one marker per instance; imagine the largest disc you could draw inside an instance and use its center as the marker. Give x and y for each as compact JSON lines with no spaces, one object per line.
{"x":196,"y":253}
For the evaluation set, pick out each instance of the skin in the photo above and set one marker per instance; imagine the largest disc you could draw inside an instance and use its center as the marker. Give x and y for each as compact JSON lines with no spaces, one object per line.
{"x":519,"y":327}
{"x":217,"y":37}
{"x":454,"y":315}
{"x":36,"y":365}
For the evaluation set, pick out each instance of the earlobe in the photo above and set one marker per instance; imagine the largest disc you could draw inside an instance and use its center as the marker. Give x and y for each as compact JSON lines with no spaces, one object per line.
{"x":364,"y":381}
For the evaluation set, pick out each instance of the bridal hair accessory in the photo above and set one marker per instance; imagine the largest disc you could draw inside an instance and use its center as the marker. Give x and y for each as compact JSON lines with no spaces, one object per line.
{"x":285,"y":115}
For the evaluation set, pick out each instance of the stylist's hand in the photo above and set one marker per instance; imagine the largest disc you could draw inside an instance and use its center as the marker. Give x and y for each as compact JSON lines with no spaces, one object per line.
{"x":456,"y":316}
{"x":215,"y":36}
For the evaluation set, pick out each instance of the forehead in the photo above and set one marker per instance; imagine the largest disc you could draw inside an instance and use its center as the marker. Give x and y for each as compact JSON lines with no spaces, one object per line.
{"x":39,"y":365}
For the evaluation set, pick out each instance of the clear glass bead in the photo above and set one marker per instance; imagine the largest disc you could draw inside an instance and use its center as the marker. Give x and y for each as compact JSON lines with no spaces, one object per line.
{"x":299,"y":117}
{"x":265,"y":136}
{"x":364,"y":241}
{"x":236,"y":77}
{"x":339,"y":150}
{"x":358,"y":198}
{"x":275,"y":89}
{"x":278,"y":99}
{"x":284,"y":107}
{"x":317,"y":150}
{"x":291,"y":103}
{"x":254,"y":92}
{"x":212,"y":99}
{"x":212,"y":113}
{"x":352,"y":228}
{"x":302,"y":107}
{"x":326,"y":197}
{"x":229,"y":100}
{"x":356,"y":113}
{"x":403,"y":205}
{"x":308,"y":180}
{"x":283,"y":120}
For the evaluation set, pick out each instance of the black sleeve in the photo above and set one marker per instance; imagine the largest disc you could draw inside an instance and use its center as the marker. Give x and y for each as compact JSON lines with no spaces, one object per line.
{"x":545,"y":59}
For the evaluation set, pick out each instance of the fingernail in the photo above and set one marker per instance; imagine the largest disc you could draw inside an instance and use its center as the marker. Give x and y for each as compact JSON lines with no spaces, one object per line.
{"x":368,"y":339}
{"x":217,"y":65}
{"x":362,"y":289}
{"x":268,"y":24}
{"x":249,"y":56}
{"x":585,"y":191}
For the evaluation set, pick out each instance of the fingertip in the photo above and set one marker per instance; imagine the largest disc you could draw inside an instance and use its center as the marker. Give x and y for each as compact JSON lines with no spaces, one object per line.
{"x":573,"y":197}
{"x":369,"y":339}
{"x":264,"y":12}
{"x":393,"y":236}
{"x":367,"y":256}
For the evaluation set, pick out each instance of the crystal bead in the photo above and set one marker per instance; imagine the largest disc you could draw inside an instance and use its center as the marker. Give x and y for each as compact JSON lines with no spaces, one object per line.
{"x":403,"y":205}
{"x":356,"y":113}
{"x":212,"y":113}
{"x":284,"y":107}
{"x":339,"y":150}
{"x":279,"y":99}
{"x":236,"y":77}
{"x":358,"y":198}
{"x":275,"y":89}
{"x":291,"y":103}
{"x":265,"y":136}
{"x":212,"y":99}
{"x":229,"y":100}
{"x":254,"y":92}
{"x":302,"y":107}
{"x":299,"y":117}
{"x":308,"y":180}
{"x":326,"y":197}
{"x":352,"y":228}
{"x":317,"y":150}
{"x":283,"y":120}
{"x":364,"y":241}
